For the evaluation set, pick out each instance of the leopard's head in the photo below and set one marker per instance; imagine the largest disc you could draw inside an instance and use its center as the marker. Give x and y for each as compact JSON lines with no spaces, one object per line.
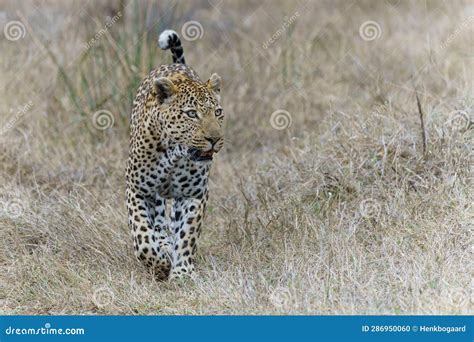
{"x":191,"y":114}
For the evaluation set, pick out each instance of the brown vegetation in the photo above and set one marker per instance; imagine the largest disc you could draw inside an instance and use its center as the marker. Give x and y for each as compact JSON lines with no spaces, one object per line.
{"x":361,"y":204}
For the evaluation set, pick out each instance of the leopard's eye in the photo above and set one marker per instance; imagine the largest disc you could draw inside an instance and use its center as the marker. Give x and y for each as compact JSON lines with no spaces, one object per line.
{"x":218,"y":111}
{"x":191,"y":113}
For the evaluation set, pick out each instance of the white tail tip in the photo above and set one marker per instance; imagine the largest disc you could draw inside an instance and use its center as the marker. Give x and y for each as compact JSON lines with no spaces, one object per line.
{"x":164,"y":39}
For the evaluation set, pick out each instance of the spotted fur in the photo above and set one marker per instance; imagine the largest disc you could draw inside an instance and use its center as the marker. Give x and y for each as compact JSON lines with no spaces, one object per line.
{"x":176,"y":127}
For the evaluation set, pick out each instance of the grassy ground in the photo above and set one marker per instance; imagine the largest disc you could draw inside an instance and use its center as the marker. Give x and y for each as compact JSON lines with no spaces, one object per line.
{"x":336,"y":192}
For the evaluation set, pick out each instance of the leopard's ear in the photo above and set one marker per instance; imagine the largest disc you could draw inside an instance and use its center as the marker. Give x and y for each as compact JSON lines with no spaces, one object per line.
{"x":164,"y":89}
{"x":214,"y":83}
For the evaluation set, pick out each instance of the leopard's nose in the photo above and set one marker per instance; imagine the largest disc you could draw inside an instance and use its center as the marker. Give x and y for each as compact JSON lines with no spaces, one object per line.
{"x":213,"y":140}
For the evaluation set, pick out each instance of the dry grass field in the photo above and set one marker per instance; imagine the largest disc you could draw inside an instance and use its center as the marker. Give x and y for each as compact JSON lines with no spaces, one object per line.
{"x":336,"y":192}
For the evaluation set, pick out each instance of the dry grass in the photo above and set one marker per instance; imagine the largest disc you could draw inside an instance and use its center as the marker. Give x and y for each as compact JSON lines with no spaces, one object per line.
{"x":343,"y":212}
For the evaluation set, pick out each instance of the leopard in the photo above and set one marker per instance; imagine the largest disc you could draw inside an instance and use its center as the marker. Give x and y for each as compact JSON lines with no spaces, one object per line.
{"x":176,"y":128}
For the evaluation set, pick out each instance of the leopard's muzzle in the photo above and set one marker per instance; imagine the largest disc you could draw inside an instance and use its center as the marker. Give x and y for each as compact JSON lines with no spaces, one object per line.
{"x":200,"y":155}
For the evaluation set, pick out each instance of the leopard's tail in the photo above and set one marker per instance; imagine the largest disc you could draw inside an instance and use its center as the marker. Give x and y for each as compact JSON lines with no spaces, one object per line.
{"x":169,"y":39}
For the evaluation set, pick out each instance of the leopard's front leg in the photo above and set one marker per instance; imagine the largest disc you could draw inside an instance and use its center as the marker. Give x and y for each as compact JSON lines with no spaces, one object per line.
{"x":188,"y":216}
{"x":147,"y":246}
